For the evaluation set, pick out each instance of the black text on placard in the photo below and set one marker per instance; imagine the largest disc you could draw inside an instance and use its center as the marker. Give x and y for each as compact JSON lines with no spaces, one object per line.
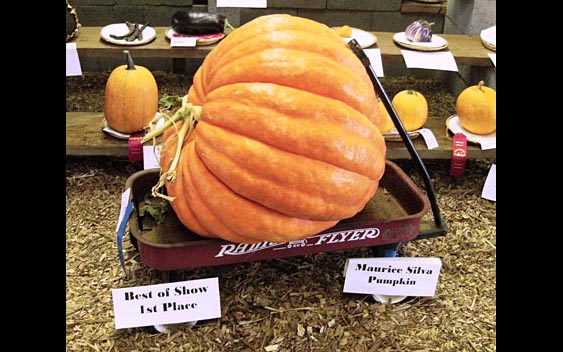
{"x":171,"y":303}
{"x":397,"y":276}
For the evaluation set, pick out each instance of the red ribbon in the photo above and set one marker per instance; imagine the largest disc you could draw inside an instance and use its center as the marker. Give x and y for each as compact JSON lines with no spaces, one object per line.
{"x":135,"y":147}
{"x":459,"y":154}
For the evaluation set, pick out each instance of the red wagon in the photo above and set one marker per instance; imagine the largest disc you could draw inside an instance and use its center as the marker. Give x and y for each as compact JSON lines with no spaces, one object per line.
{"x":392,"y":217}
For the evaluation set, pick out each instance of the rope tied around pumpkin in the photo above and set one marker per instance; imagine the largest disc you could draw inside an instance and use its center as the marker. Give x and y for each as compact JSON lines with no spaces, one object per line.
{"x":189,"y":113}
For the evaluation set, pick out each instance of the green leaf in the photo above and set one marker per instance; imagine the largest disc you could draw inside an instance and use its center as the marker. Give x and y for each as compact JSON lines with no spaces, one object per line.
{"x":170,"y":101}
{"x":155,"y":207}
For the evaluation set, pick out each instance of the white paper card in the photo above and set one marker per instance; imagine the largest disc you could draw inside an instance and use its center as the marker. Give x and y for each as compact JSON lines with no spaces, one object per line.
{"x":374,"y":56}
{"x":124,"y":202}
{"x":261,"y":4}
{"x":397,"y":276}
{"x":429,"y":138}
{"x":171,"y":303}
{"x":493,"y":58}
{"x":490,"y":187}
{"x":189,"y":42}
{"x":151,"y":156}
{"x":73,"y":67}
{"x":489,"y":145}
{"x":439,"y":60}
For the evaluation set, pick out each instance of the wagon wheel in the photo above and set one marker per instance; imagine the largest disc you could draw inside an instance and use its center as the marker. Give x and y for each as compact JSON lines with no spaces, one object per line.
{"x":168,"y":328}
{"x":169,"y":276}
{"x":133,"y":241}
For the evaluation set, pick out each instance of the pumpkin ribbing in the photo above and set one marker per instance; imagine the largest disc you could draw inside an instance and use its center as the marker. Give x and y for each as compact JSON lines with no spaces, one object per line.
{"x":476,"y":107}
{"x":131,"y":97}
{"x":412,"y":108}
{"x":287,"y":143}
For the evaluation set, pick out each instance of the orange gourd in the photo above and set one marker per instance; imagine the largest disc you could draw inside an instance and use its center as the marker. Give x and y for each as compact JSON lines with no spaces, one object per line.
{"x":287,"y":143}
{"x":412,"y":108}
{"x":476,"y":107}
{"x":386,"y":122}
{"x":131,"y":97}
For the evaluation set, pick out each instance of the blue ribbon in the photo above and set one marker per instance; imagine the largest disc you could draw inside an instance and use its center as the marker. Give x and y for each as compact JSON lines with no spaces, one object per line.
{"x":121,"y":231}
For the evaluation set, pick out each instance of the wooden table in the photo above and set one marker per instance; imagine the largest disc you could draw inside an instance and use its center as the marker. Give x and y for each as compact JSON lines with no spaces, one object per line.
{"x":83,"y":129}
{"x":467,"y":50}
{"x":84,"y":137}
{"x":90,"y":43}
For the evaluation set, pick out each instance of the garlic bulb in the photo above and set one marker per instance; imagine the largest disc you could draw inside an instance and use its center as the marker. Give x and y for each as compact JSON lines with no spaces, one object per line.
{"x":419,"y":31}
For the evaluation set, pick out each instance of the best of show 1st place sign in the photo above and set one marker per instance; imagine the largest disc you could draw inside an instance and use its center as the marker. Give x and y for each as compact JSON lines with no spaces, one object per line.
{"x":171,"y":303}
{"x":397,"y":276}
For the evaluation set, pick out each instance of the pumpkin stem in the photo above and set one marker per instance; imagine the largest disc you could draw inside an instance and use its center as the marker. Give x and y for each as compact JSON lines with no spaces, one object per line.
{"x":481,"y":84}
{"x":190,"y":114}
{"x":170,"y":174}
{"x":181,"y":114}
{"x":129,"y":59}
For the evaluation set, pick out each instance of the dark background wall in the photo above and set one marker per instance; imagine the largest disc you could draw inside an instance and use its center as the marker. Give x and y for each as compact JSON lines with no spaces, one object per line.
{"x":373,"y":15}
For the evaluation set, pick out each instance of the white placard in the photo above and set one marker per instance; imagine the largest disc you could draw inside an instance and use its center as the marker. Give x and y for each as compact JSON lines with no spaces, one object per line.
{"x":429,"y":138}
{"x":124,"y":202}
{"x":489,"y":145}
{"x":260,"y":4}
{"x":439,"y":60}
{"x":172,"y":303}
{"x":493,"y":58}
{"x":151,"y":155}
{"x":188,"y":42}
{"x":490,"y":187}
{"x":73,"y":67}
{"x":397,"y":276}
{"x":374,"y":56}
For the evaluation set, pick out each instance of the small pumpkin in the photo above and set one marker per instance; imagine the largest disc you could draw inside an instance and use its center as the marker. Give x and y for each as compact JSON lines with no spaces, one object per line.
{"x":476,"y":107}
{"x":287,"y":143}
{"x":343,"y":31}
{"x":386,"y":122}
{"x":412,"y":108}
{"x":131,"y":97}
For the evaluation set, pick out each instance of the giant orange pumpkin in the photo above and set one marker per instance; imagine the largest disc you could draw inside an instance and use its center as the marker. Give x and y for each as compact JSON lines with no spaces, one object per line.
{"x":287,"y":143}
{"x":412,"y":108}
{"x":476,"y":107}
{"x":131,"y":97}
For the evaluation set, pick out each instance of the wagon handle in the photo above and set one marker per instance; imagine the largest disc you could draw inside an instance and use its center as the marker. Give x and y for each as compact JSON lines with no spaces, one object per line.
{"x":442,"y":228}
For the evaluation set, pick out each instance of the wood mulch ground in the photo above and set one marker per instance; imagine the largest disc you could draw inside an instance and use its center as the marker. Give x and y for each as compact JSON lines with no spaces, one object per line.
{"x":290,"y":304}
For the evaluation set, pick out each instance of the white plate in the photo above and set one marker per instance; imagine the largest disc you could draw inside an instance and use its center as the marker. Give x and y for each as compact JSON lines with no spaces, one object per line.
{"x":149,"y":34}
{"x":204,"y":39}
{"x":489,"y":35}
{"x":393,"y":135}
{"x":437,"y":42}
{"x":483,"y":139}
{"x":121,"y":135}
{"x":113,"y":132}
{"x":364,"y":38}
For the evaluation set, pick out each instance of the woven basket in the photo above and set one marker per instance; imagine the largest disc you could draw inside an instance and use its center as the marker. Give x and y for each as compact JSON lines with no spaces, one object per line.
{"x":489,"y":45}
{"x":71,"y":13}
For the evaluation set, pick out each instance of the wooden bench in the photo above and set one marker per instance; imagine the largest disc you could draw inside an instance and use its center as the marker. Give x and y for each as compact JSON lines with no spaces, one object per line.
{"x":84,"y":136}
{"x":467,"y":50}
{"x":83,"y":129}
